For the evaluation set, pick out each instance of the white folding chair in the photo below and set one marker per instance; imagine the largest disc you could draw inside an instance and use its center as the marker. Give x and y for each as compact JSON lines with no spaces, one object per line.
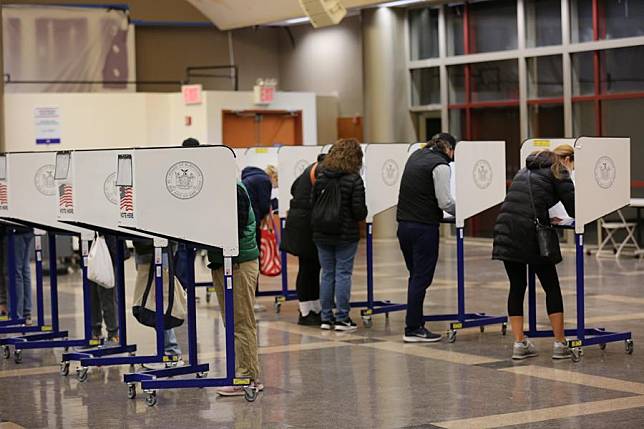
{"x":616,"y":248}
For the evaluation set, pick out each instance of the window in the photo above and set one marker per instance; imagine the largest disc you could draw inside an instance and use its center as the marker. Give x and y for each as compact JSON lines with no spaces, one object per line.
{"x":455,"y":32}
{"x":582,"y":73}
{"x":543,"y":22}
{"x":546,"y":120}
{"x":614,"y":19}
{"x":425,"y":86}
{"x":493,"y":81}
{"x":423,"y":33}
{"x":545,"y":77}
{"x":622,"y":70}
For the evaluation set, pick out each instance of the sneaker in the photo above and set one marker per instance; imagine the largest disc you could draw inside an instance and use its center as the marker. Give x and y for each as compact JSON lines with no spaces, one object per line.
{"x":327,"y":325}
{"x":311,"y":319}
{"x":112,"y":341}
{"x":560,"y":350}
{"x":28,"y":321}
{"x":163,"y":365}
{"x":259,"y":308}
{"x":523,"y":350}
{"x":421,"y":335}
{"x":345,"y":325}
{"x":238,"y":390}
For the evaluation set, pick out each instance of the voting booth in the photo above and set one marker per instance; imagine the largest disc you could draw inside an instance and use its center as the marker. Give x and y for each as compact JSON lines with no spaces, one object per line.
{"x":28,"y":196}
{"x":603,"y":185}
{"x":479,"y":180}
{"x":188,"y":195}
{"x":89,"y":197}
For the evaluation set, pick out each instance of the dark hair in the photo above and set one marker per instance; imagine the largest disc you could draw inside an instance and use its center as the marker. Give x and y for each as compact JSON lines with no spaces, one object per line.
{"x":442,"y":142}
{"x":190,"y":142}
{"x":345,"y":156}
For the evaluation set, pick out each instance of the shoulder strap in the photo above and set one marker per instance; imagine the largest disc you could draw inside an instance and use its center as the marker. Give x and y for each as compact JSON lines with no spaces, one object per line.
{"x":312,"y":174}
{"x":534,"y":209}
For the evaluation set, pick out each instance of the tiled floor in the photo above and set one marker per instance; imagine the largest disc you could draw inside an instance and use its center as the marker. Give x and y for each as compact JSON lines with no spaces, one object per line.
{"x":369,"y":378}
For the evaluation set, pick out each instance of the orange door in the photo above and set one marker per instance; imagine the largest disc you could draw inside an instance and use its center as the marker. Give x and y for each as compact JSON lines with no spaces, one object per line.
{"x":251,"y":128}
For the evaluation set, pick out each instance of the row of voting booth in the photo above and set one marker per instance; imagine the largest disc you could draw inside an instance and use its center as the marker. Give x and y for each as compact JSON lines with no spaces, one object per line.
{"x":172,"y":194}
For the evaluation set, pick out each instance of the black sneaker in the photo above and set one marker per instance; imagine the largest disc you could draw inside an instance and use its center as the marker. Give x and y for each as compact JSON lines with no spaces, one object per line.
{"x":345,"y":325}
{"x":311,"y":319}
{"x":327,"y":325}
{"x":421,"y":335}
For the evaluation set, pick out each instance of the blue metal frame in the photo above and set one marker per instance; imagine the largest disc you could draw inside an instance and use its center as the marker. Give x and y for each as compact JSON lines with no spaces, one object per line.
{"x":230,"y":379}
{"x":104,"y":356}
{"x":583,"y":336}
{"x":373,"y":306}
{"x":463,"y":320}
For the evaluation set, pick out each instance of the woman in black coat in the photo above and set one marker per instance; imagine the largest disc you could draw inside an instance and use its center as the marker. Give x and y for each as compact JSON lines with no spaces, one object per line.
{"x":298,"y":240}
{"x":515,"y":243}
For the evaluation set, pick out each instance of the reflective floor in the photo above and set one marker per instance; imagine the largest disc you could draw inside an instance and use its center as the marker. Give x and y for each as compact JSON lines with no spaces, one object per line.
{"x":368,"y":378}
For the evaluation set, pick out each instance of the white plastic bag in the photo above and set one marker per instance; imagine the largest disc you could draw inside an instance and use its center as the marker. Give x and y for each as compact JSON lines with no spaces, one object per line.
{"x":99,"y":264}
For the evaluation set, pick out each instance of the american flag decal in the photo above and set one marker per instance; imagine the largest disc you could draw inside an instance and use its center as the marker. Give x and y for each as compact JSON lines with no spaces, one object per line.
{"x":65,"y":196}
{"x":4,"y":201}
{"x":125,"y":194}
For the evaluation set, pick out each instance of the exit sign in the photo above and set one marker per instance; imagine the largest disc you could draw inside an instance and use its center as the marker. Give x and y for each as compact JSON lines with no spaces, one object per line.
{"x":192,"y":94}
{"x":264,"y":94}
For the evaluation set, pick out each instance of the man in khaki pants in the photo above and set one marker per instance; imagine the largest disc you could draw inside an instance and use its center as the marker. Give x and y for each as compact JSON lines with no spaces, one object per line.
{"x":245,"y":273}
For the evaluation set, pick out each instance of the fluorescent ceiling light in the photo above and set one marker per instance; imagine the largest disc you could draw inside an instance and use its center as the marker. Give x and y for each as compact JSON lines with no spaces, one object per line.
{"x":296,"y":21}
{"x":401,"y":3}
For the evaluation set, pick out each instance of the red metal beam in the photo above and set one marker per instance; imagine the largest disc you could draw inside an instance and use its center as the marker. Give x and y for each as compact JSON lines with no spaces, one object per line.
{"x":483,"y":104}
{"x":552,"y":100}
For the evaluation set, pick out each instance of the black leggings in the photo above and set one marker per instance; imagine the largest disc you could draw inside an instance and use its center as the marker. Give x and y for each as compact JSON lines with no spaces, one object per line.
{"x":308,"y":280}
{"x":518,"y":275}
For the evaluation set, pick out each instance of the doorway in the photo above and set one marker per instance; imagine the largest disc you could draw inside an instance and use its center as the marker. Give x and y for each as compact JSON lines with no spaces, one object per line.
{"x":257,"y":128}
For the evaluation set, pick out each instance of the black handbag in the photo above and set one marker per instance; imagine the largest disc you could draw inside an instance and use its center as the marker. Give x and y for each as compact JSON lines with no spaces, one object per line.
{"x":547,"y":238}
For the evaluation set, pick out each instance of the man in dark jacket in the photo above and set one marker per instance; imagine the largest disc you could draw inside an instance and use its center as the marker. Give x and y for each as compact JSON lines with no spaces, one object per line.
{"x":259,"y":186}
{"x":543,"y":183}
{"x":424,"y":195}
{"x":297,"y":239}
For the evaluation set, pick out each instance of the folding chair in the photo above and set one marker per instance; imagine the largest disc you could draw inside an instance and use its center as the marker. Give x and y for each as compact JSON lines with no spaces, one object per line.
{"x":611,"y":229}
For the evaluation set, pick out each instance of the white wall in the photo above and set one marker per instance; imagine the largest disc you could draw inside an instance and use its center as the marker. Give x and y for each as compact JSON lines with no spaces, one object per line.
{"x":327,"y":61}
{"x":98,"y":120}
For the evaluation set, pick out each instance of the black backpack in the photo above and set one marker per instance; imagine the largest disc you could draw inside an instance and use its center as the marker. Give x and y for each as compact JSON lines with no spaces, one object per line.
{"x":326,"y":217}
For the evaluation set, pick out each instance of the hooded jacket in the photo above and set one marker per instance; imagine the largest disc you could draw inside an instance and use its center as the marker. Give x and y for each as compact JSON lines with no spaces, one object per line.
{"x":259,"y":187}
{"x":515,"y":237}
{"x":353,"y":209}
{"x":297,"y":237}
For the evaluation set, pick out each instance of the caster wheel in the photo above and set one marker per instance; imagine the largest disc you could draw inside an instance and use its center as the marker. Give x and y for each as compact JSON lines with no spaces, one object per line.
{"x":602,"y":347}
{"x":451,"y":337}
{"x":504,"y":329}
{"x":207,"y":298}
{"x":151,"y":399}
{"x":132,"y":368}
{"x":64,"y":369}
{"x":6,"y":352}
{"x":367,"y":322}
{"x":17,"y":356}
{"x":386,"y":315}
{"x":81,"y":374}
{"x":629,"y":347}
{"x":576,"y":354}
{"x":482,"y":329}
{"x":250,"y":394}
{"x":278,"y":307}
{"x":201,"y":374}
{"x":66,"y":349}
{"x":131,"y":391}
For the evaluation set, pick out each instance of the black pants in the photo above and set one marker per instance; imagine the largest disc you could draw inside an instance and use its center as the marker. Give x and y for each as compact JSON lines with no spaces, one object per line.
{"x":518,"y":275}
{"x":308,"y":279}
{"x":419,"y":245}
{"x":103,"y":305}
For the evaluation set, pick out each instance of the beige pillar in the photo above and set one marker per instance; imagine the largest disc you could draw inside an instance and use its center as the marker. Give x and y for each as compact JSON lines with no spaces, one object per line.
{"x":2,"y":145}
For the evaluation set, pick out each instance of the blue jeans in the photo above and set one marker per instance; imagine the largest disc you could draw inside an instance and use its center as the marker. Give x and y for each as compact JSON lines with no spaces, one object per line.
{"x":337,"y":266}
{"x":171,"y":345}
{"x":24,"y":247}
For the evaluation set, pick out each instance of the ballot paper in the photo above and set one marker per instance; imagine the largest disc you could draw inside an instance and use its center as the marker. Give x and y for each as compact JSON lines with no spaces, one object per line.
{"x":559,"y":211}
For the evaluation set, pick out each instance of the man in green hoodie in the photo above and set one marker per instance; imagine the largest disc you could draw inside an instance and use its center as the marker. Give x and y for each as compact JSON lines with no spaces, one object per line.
{"x":245,"y":274}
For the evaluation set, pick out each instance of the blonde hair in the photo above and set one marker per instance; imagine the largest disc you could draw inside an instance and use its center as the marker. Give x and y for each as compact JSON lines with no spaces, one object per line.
{"x":563,"y":152}
{"x":271,"y":170}
{"x":345,"y":156}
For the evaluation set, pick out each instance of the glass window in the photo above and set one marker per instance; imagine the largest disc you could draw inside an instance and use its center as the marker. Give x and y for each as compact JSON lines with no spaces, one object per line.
{"x":581,"y":20}
{"x":624,"y":18}
{"x":545,"y":77}
{"x":622,"y":70}
{"x":493,"y":81}
{"x":546,"y":120}
{"x":583,"y":119}
{"x":493,"y":26}
{"x":456,"y":75}
{"x":543,"y":22}
{"x":423,"y":33}
{"x":425,"y":86}
{"x":582,"y":74}
{"x":455,"y":40}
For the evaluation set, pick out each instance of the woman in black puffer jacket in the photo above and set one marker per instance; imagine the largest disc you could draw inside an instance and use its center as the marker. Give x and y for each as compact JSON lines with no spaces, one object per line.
{"x":337,"y":249}
{"x":515,"y":243}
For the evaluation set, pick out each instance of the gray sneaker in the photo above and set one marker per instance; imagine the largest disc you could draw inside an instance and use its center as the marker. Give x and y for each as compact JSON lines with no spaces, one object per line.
{"x":560,"y":350}
{"x":523,"y":350}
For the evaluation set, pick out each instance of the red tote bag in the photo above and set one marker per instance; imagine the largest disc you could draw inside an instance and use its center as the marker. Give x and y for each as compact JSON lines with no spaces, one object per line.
{"x":270,"y":262}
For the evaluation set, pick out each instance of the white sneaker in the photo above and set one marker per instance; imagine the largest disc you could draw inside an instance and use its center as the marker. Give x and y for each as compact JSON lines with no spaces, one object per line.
{"x":523,"y":350}
{"x":560,"y":350}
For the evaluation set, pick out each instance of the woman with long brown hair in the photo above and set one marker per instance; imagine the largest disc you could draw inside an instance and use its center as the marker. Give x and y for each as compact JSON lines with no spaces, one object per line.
{"x":544,"y":182}
{"x":338,"y":207}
